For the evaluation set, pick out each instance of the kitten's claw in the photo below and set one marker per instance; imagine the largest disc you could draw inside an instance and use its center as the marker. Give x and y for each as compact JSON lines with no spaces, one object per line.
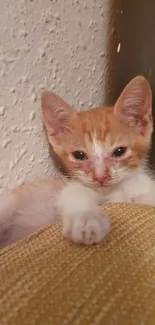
{"x":86,"y":229}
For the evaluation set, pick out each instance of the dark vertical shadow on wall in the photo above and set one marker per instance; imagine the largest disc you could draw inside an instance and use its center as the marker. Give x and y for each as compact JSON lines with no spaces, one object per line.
{"x":134,"y":25}
{"x":112,"y":43}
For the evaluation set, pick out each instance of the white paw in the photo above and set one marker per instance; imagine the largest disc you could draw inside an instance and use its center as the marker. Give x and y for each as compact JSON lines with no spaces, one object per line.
{"x":87,"y":229}
{"x":79,"y":208}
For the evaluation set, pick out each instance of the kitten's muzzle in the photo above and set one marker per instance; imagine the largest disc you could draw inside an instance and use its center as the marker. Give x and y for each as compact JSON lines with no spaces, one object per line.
{"x":100,"y":179}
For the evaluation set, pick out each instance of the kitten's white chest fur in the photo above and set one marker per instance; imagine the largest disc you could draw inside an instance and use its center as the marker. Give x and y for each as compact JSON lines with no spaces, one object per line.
{"x":139,"y":187}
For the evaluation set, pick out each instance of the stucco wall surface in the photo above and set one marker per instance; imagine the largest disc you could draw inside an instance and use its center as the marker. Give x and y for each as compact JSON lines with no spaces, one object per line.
{"x":59,"y":45}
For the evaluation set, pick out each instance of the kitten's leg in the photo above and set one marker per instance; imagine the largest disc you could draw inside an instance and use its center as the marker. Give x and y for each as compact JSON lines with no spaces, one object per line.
{"x":7,"y":208}
{"x":82,"y":218}
{"x":27,"y":208}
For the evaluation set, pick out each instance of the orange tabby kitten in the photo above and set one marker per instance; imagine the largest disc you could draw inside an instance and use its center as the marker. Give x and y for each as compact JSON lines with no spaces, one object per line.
{"x":103,"y":152}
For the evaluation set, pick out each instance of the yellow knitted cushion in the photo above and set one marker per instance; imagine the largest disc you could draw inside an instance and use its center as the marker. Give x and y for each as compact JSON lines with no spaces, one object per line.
{"x":47,"y":280}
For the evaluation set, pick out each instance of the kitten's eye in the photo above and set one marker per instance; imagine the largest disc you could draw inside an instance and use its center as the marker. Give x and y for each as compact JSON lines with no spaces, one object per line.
{"x":119,"y":152}
{"x":79,"y":155}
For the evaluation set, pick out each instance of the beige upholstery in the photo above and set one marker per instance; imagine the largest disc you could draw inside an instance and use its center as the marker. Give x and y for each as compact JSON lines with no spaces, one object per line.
{"x":47,"y":280}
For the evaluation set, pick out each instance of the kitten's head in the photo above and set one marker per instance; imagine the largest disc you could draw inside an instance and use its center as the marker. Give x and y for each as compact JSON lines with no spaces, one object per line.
{"x":103,"y":145}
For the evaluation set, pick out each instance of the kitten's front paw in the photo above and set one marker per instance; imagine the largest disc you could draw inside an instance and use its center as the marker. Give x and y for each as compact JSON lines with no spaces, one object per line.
{"x":79,"y":207}
{"x":87,"y":229}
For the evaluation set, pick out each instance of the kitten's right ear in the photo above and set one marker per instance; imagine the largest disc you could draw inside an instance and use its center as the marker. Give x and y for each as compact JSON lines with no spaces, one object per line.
{"x":56,"y":115}
{"x":135,"y":104}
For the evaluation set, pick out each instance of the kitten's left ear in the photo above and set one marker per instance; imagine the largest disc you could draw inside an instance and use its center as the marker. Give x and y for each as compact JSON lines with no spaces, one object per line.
{"x":135,"y":104}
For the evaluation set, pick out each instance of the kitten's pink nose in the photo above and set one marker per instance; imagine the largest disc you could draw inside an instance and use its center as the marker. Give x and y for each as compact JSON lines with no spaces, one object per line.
{"x":100,"y":179}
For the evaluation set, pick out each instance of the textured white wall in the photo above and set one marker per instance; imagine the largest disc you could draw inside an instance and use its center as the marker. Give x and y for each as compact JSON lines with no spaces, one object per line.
{"x":57,"y":44}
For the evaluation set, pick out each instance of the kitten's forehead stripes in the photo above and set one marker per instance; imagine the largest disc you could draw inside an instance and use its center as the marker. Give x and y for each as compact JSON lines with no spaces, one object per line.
{"x":95,"y":123}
